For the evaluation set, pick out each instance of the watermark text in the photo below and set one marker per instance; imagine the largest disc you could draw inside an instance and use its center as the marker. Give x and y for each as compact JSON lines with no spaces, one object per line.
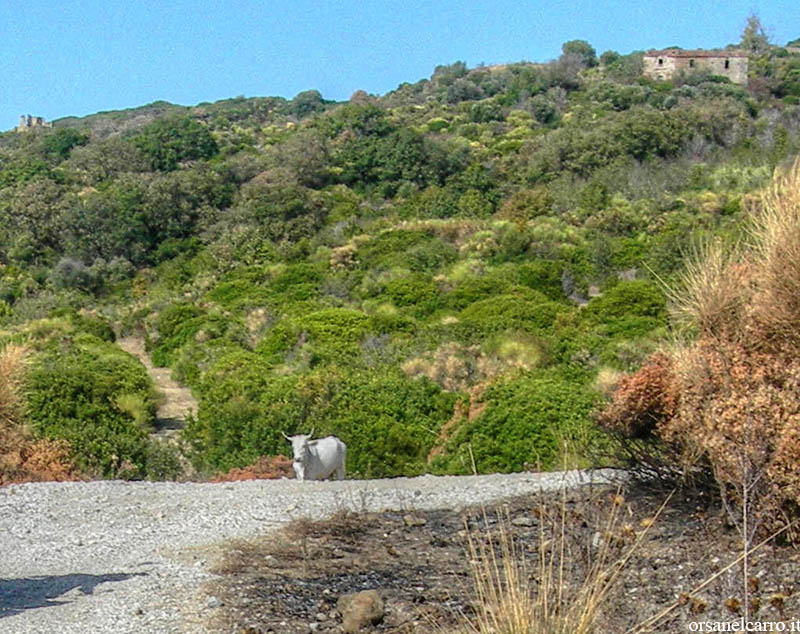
{"x":740,"y":625}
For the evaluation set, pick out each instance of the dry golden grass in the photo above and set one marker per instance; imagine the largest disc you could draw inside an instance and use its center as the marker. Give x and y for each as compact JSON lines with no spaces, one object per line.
{"x":13,"y":433}
{"x":511,"y":598}
{"x":749,"y":293}
{"x":776,"y":233}
{"x":13,"y":363}
{"x":712,"y":291}
{"x":607,"y":380}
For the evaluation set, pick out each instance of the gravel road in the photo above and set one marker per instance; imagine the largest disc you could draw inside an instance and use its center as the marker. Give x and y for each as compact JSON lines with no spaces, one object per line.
{"x":121,"y":557}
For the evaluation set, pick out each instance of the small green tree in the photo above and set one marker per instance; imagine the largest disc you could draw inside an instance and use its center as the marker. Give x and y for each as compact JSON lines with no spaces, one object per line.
{"x":167,"y":142}
{"x":754,"y":37}
{"x":59,"y":144}
{"x":580,"y":50}
{"x":306,"y":103}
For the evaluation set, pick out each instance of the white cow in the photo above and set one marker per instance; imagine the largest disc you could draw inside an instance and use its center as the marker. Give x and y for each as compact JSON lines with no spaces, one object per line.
{"x":317,"y":459}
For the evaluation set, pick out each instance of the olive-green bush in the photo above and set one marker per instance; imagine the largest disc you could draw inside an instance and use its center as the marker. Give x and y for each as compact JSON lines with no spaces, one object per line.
{"x":638,"y":298}
{"x":389,"y":422}
{"x":530,"y":311}
{"x":529,"y":422}
{"x":76,"y":390}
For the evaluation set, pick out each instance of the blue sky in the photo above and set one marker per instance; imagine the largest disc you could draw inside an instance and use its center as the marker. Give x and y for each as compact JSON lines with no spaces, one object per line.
{"x":79,"y":57}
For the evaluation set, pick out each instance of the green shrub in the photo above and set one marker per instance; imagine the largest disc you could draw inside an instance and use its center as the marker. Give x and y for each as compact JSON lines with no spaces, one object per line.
{"x":59,"y":144}
{"x":194,"y":358}
{"x":389,"y":248}
{"x":163,"y":461}
{"x":430,"y":255}
{"x":87,"y":323}
{"x":278,"y":341}
{"x":416,"y":290}
{"x":238,"y":293}
{"x":388,"y":422}
{"x":179,"y":325}
{"x":543,"y":276}
{"x":473,"y":289}
{"x":167,"y":142}
{"x":638,"y":298}
{"x":330,"y":335}
{"x":387,"y":319}
{"x":525,"y":425}
{"x":298,"y":282}
{"x":335,"y":333}
{"x":72,"y":273}
{"x":242,"y":410}
{"x":176,"y":325}
{"x":529,"y":312}
{"x":78,"y":390}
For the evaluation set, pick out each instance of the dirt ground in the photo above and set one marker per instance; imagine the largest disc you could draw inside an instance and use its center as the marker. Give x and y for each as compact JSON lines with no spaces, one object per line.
{"x":289,"y":582}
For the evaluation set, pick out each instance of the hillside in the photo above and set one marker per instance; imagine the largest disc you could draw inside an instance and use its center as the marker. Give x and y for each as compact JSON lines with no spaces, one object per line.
{"x":450,"y":277}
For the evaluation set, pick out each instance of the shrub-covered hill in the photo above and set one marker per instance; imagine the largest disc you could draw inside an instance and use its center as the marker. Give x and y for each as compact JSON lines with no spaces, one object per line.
{"x":448,"y":277}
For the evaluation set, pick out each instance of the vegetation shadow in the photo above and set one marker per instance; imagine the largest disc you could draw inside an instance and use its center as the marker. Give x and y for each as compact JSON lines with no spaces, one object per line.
{"x":18,"y":595}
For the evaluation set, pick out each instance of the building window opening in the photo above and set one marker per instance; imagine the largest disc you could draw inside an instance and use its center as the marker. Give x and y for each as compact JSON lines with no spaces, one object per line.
{"x":727,"y":64}
{"x":660,"y":61}
{"x":691,"y":63}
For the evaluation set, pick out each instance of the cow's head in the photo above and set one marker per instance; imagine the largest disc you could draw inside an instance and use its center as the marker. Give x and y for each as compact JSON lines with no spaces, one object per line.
{"x":300,"y":453}
{"x":299,"y":447}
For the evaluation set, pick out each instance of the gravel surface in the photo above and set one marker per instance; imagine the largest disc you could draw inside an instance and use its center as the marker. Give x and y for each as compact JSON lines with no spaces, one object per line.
{"x":118,"y":557}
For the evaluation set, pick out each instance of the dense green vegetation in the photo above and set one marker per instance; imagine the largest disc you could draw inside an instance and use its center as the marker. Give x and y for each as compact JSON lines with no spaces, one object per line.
{"x":443,"y":276}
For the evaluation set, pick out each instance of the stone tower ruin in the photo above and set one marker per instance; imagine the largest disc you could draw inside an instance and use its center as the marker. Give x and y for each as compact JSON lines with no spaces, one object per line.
{"x":27,"y":123}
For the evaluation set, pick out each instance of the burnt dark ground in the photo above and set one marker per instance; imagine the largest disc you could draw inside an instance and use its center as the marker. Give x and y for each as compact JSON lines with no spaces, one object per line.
{"x":289,"y":582}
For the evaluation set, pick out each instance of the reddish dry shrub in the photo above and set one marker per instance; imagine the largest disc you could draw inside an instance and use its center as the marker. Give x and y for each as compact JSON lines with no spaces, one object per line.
{"x":265,"y":468}
{"x":643,"y":400}
{"x":42,"y":460}
{"x":740,"y":408}
{"x":731,"y":399}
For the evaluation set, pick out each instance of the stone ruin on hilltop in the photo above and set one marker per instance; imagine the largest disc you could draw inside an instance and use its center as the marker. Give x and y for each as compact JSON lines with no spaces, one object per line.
{"x":667,"y":63}
{"x":28,"y":122}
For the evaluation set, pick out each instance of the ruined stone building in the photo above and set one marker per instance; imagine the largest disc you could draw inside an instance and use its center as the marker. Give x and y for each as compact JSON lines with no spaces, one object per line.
{"x":27,"y":122}
{"x":672,"y":61}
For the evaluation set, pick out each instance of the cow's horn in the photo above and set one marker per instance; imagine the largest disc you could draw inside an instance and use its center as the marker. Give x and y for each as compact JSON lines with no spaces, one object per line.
{"x":311,"y":435}
{"x":286,"y":437}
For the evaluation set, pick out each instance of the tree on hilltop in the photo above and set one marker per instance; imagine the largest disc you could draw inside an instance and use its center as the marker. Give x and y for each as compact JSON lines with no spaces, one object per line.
{"x":581,"y":51}
{"x":754,"y":37}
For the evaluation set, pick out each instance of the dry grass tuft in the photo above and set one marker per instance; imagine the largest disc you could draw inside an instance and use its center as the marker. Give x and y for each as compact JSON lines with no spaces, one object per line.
{"x":13,"y":363}
{"x":608,"y":380}
{"x":14,"y":434}
{"x":457,"y":367}
{"x":776,"y":233}
{"x":711,"y":293}
{"x":516,"y":596}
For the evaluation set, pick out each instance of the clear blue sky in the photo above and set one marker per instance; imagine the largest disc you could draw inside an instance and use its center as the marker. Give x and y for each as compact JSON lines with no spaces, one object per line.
{"x":79,"y":57}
